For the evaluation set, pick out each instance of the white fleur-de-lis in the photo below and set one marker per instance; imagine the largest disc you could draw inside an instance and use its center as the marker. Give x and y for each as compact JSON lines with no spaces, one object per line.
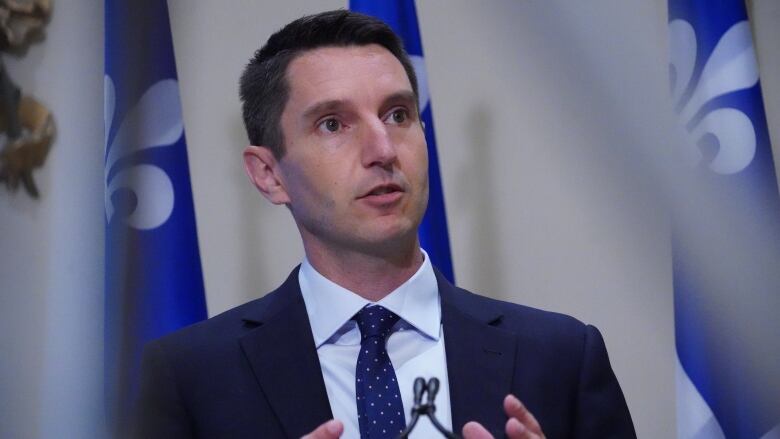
{"x":154,"y":122}
{"x":731,"y":67}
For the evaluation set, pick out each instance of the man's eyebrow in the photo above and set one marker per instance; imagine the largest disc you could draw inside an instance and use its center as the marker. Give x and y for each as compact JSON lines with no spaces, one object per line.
{"x":323,"y":107}
{"x":315,"y":110}
{"x":405,"y":96}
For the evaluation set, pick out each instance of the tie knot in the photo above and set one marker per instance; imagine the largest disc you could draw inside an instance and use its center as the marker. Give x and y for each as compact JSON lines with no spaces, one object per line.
{"x":375,"y":321}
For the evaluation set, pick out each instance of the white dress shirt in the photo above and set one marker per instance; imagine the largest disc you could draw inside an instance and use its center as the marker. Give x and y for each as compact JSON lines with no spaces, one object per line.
{"x":415,"y":347}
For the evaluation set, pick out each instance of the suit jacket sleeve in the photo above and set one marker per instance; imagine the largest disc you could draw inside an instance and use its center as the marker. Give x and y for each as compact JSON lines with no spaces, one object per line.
{"x":160,"y":411}
{"x":601,"y":408}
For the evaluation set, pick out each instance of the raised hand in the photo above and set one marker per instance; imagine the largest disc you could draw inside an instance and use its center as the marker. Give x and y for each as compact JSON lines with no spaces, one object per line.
{"x":521,"y":423}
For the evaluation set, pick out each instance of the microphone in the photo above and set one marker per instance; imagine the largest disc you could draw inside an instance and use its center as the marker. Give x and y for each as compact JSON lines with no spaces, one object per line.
{"x":433,"y":389}
{"x":419,"y":389}
{"x":428,"y":408}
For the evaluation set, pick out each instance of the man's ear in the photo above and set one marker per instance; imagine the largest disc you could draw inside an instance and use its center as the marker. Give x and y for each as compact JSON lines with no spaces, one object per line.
{"x":262,"y":168}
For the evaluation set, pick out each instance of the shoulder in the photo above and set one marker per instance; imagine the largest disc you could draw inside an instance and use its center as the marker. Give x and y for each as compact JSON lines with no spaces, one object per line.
{"x":549,"y":336}
{"x":552,"y":351}
{"x":519,"y":319}
{"x":227,"y":328}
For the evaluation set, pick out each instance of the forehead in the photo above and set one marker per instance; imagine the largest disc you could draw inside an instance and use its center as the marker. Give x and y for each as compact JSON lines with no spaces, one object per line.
{"x":345,"y":73}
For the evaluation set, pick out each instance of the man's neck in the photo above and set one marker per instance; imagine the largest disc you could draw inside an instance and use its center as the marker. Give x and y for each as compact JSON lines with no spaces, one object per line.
{"x":371,"y":276}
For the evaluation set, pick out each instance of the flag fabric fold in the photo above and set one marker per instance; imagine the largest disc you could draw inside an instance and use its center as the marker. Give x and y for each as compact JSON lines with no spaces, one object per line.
{"x":401,"y":15}
{"x":153,"y":276}
{"x":726,"y":232}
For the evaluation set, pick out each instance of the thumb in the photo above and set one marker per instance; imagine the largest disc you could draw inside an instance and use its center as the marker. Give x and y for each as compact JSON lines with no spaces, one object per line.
{"x":329,"y":430}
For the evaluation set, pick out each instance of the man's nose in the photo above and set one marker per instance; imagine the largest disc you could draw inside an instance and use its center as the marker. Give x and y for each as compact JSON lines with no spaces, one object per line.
{"x":377,"y":147}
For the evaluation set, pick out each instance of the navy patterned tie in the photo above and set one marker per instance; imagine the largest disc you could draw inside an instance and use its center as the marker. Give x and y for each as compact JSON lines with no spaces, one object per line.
{"x":380,"y":410}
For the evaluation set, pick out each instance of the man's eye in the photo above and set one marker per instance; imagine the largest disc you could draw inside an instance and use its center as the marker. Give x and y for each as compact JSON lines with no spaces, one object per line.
{"x":399,"y":116}
{"x":330,"y":125}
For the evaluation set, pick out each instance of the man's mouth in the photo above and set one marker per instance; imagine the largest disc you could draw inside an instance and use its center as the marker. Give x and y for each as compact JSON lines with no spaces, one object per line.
{"x":383,"y":191}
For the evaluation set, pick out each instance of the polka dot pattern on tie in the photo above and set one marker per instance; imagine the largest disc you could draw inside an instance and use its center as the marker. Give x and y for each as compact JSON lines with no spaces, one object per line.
{"x":380,"y":410}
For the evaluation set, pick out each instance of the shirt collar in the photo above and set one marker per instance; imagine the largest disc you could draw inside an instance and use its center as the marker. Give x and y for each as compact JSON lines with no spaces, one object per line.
{"x":330,"y":306}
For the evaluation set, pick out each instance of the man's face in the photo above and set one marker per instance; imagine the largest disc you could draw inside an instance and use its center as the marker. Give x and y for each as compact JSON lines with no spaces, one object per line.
{"x":355,"y":169}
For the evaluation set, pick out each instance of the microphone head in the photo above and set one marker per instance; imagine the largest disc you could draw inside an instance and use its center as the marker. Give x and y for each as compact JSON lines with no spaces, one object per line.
{"x":433,"y":388}
{"x":419,"y":388}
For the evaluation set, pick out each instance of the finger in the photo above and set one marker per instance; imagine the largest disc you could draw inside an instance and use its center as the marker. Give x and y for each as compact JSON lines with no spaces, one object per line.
{"x":475,"y":430}
{"x":516,"y":409}
{"x":329,"y":430}
{"x":517,"y":430}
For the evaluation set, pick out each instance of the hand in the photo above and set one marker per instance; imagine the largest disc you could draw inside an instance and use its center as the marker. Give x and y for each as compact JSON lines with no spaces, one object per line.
{"x":521,"y":423}
{"x":329,"y":430}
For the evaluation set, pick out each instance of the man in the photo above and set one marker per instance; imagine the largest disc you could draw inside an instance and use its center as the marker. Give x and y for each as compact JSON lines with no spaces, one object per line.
{"x":330,"y":105}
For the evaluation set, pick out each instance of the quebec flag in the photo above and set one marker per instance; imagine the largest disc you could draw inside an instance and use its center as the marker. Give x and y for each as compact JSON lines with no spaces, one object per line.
{"x":153,"y":279}
{"x":401,"y":15}
{"x":726,"y":240}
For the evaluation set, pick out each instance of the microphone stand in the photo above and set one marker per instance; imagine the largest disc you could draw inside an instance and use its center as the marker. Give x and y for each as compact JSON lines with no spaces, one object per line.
{"x":428,"y":408}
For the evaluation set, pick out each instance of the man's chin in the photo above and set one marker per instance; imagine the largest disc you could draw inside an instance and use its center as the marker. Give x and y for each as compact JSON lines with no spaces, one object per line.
{"x":390,"y":238}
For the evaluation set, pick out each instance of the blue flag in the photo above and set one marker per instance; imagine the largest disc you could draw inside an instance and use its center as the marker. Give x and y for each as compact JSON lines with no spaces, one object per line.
{"x":727,"y":255}
{"x":402,"y":17}
{"x":153,"y":280}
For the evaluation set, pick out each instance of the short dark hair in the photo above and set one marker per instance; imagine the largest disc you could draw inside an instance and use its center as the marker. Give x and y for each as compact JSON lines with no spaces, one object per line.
{"x":264,"y":88}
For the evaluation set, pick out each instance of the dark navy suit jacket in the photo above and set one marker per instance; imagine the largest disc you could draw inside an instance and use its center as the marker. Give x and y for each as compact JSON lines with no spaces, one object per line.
{"x":253,"y":371}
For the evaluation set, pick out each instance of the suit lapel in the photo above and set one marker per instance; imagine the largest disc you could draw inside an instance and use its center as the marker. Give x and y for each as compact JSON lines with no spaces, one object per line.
{"x":284,"y":360}
{"x":480,"y":359}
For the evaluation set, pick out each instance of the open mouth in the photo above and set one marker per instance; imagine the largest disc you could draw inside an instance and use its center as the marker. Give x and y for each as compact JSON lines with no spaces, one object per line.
{"x":383,"y":195}
{"x":383,"y":190}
